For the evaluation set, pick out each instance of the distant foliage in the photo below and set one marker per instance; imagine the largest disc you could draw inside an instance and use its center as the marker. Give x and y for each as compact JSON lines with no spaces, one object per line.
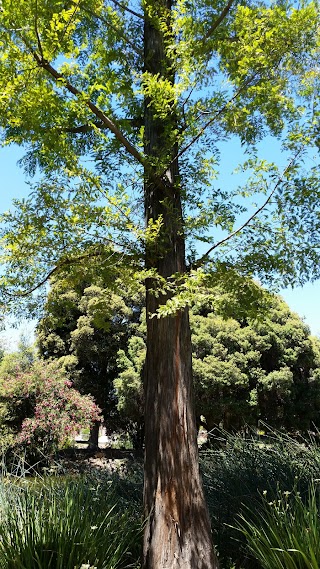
{"x":249,"y":370}
{"x":84,"y":326}
{"x":40,"y":409}
{"x":245,"y":370}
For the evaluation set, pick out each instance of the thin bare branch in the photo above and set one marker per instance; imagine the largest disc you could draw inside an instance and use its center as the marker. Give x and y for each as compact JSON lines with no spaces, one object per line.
{"x":183,"y":108}
{"x":216,"y":116}
{"x":218,"y":21}
{"x":204,"y":257}
{"x":136,"y":14}
{"x":89,"y":127}
{"x":115,"y":29}
{"x":219,"y":113}
{"x":83,"y":128}
{"x":76,"y":8}
{"x":36,"y":29}
{"x":111,"y":202}
{"x":60,"y":266}
{"x":24,"y":293}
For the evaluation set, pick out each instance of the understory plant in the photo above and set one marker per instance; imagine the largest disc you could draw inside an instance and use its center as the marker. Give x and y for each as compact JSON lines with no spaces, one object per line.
{"x":284,"y":533}
{"x":65,"y":525}
{"x":239,"y":469}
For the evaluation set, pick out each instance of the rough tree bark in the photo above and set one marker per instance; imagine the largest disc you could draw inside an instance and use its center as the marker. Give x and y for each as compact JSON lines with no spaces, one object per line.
{"x":177,"y":533}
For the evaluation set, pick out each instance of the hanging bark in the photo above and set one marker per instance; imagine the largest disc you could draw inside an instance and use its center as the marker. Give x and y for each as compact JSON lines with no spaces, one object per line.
{"x":177,"y":533}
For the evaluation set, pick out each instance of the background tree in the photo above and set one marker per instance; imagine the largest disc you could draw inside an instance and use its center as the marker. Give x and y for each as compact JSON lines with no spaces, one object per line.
{"x":249,"y":370}
{"x":147,"y":92}
{"x":245,"y":370}
{"x":84,"y":326}
{"x":129,"y":385}
{"x":21,"y":359}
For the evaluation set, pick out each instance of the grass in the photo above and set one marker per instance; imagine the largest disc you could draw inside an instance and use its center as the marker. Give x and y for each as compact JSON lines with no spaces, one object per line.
{"x":238,"y":472}
{"x":65,"y":524}
{"x":284,"y":533}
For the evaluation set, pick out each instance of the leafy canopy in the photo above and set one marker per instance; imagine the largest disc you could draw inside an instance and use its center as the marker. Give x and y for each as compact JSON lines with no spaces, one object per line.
{"x":72,"y":87}
{"x":245,"y":370}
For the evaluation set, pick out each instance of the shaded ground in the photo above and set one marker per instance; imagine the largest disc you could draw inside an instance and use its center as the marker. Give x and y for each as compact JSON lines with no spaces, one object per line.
{"x":79,"y":460}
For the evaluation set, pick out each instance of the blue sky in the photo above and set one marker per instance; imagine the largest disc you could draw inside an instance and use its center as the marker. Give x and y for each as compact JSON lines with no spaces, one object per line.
{"x":305,"y":301}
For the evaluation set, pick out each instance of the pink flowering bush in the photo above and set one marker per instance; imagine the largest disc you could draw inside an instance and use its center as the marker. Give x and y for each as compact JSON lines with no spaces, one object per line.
{"x":42,"y":409}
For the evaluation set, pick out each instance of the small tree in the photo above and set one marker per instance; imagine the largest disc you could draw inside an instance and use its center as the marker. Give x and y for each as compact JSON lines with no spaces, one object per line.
{"x":84,"y":325}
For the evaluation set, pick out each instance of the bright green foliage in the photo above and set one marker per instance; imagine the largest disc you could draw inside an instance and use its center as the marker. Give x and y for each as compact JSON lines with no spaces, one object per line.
{"x":72,"y":86}
{"x":256,"y":369}
{"x":245,"y":370}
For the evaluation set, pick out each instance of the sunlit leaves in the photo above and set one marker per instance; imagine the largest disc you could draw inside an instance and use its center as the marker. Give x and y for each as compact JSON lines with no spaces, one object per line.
{"x":61,"y":225}
{"x":244,"y":70}
{"x":160,"y":94}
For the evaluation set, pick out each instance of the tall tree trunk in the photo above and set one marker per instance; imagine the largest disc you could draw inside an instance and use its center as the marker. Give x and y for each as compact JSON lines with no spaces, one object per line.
{"x":177,"y":533}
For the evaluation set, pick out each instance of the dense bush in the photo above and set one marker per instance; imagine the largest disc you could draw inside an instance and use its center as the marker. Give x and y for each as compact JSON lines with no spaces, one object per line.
{"x":250,"y":370}
{"x":40,"y":410}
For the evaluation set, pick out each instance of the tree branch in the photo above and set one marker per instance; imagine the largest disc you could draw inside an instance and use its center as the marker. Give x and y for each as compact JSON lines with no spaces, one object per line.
{"x":76,"y":8}
{"x":127,"y":9}
{"x":36,"y":29}
{"x":83,"y":128}
{"x":88,"y":127}
{"x":218,"y":21}
{"x":253,"y":216}
{"x":119,"y":32}
{"x":109,"y":124}
{"x":215,"y":116}
{"x":219,"y":113}
{"x":60,"y":266}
